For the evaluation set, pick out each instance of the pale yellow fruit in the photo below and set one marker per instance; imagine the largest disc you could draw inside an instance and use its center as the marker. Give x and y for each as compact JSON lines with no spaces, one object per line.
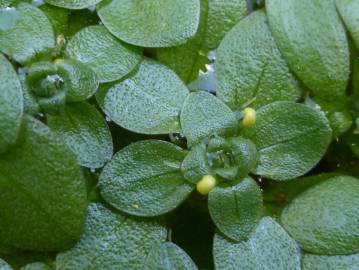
{"x":249,"y":117}
{"x":207,"y":183}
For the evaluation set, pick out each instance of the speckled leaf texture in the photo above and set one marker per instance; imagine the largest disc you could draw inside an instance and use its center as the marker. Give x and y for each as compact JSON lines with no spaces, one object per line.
{"x":217,"y":17}
{"x":107,"y":56}
{"x":79,"y":79}
{"x":324,"y":219}
{"x":249,"y":67}
{"x":43,"y":194}
{"x":236,"y":209}
{"x":145,"y":178}
{"x":112,"y":241}
{"x":85,"y":132}
{"x":291,"y":138}
{"x":11,"y":104}
{"x":321,"y":262}
{"x":149,"y":102}
{"x":151,"y":23}
{"x":31,"y":35}
{"x":4,"y":265}
{"x":73,"y":4}
{"x":312,"y":39}
{"x":169,"y":256}
{"x":348,"y":10}
{"x":204,"y":115}
{"x":269,"y":247}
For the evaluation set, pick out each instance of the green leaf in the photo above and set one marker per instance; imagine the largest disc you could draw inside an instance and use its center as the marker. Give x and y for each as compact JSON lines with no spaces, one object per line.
{"x":115,"y":59}
{"x":58,"y":17}
{"x":4,"y":265}
{"x":36,"y":266}
{"x":5,"y":3}
{"x":30,"y":37}
{"x":81,"y":82}
{"x":73,"y":4}
{"x":317,"y":262}
{"x":249,"y":67}
{"x":112,"y":240}
{"x":216,"y":18}
{"x":151,"y":23}
{"x":269,"y":247}
{"x":149,"y":102}
{"x":31,"y":105}
{"x":348,"y":11}
{"x":85,"y":132}
{"x":11,"y":104}
{"x":169,"y":256}
{"x":8,"y":17}
{"x":236,"y":209}
{"x":145,"y":179}
{"x":204,"y":115}
{"x":324,"y":219}
{"x":290,"y":137}
{"x":195,"y":165}
{"x":43,"y":192}
{"x":312,"y":39}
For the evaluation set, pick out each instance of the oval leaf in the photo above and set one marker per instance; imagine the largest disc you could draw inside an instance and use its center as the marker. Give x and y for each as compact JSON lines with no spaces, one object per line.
{"x":30,"y":36}
{"x":269,"y":247}
{"x":145,"y":178}
{"x":313,"y":41}
{"x":43,"y":192}
{"x":112,"y":240}
{"x":317,"y":262}
{"x":204,"y":115}
{"x":11,"y":100}
{"x":250,"y":68}
{"x":115,"y":60}
{"x":73,"y":4}
{"x":151,"y":23}
{"x":149,"y":102}
{"x":236,"y":209}
{"x":85,"y":132}
{"x":81,"y":82}
{"x":169,"y":257}
{"x":348,"y":10}
{"x":290,"y":137}
{"x":324,"y":219}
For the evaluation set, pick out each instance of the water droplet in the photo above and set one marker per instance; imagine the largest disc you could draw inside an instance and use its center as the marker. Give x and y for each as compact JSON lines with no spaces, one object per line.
{"x":93,"y":170}
{"x":91,"y":8}
{"x":108,"y":119}
{"x":37,"y":3}
{"x":22,"y":71}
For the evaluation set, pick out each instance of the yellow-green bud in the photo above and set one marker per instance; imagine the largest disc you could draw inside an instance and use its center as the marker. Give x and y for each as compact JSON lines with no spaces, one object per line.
{"x":207,"y":183}
{"x":249,"y":117}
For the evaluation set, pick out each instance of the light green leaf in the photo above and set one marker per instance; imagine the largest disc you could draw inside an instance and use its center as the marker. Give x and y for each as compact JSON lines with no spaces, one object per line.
{"x":36,"y":266}
{"x":4,"y":265}
{"x":8,"y":17}
{"x":85,"y":132}
{"x":195,"y":165}
{"x":43,"y":192}
{"x":348,"y":10}
{"x":11,"y":104}
{"x":169,"y":257}
{"x":151,"y":23}
{"x":217,"y":17}
{"x":236,"y":209}
{"x":324,"y":219}
{"x":317,"y":262}
{"x":204,"y":115}
{"x":269,"y":247}
{"x":149,"y":102}
{"x":73,"y":4}
{"x":112,"y":240}
{"x":109,"y":58}
{"x":249,"y":67}
{"x":80,"y":81}
{"x":312,"y":39}
{"x":290,"y":137}
{"x":145,"y":179}
{"x":30,"y":37}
